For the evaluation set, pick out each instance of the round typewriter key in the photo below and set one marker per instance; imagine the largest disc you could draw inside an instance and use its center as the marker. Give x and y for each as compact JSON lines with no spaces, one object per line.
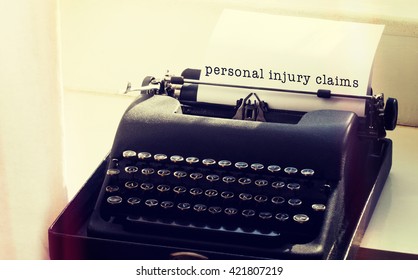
{"x":257,"y":166}
{"x":241,"y":165}
{"x":131,"y":169}
{"x":111,"y":189}
{"x":163,"y":188}
{"x":211,"y":193}
{"x":131,"y":185}
{"x":265,"y":215}
{"x":147,"y":186}
{"x":196,"y":176}
{"x":248,"y":213}
{"x":200,"y":207}
{"x":192,"y":160}
{"x":224,"y":163}
{"x":183,"y":206}
{"x":245,"y":196}
{"x":160,"y":157}
{"x":163,"y":172}
{"x":260,"y":198}
{"x":134,"y":200}
{"x":319,"y":207}
{"x":228,"y":179}
{"x":294,"y":202}
{"x":115,"y":199}
{"x":230,"y":211}
{"x":196,"y":191}
{"x":261,"y":183}
{"x":144,"y":155}
{"x":151,"y":202}
{"x":112,"y":171}
{"x":227,"y":195}
{"x":300,"y":218}
{"x":244,"y":181}
{"x":293,"y":186}
{"x":208,"y":161}
{"x":129,"y":154}
{"x":278,"y":184}
{"x":212,"y":178}
{"x":179,"y":189}
{"x":176,"y":158}
{"x":307,"y":172}
{"x":291,"y":170}
{"x":282,"y":217}
{"x":147,"y":171}
{"x":278,"y":200}
{"x":273,"y":168}
{"x":214,"y":209}
{"x":167,"y":204}
{"x":180,"y":174}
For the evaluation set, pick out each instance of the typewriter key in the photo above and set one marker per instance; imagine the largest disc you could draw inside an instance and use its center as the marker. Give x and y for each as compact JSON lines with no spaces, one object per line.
{"x":319,"y":207}
{"x":160,"y":157}
{"x":277,"y":200}
{"x":208,"y":161}
{"x":115,"y":199}
{"x":176,"y":158}
{"x":179,"y":189}
{"x":265,"y":215}
{"x":293,"y":186}
{"x":244,"y":181}
{"x":131,"y":169}
{"x":282,"y":217}
{"x":224,"y":163}
{"x":230,"y":211}
{"x":151,"y":202}
{"x":241,"y":165}
{"x":307,"y":172}
{"x":227,"y":195}
{"x":261,"y":183}
{"x":180,"y":174}
{"x":228,"y":179}
{"x":111,"y":189}
{"x":192,"y":160}
{"x":300,"y":218}
{"x":212,"y":177}
{"x":183,"y":206}
{"x":112,"y":171}
{"x":278,"y":184}
{"x":196,"y":176}
{"x":248,"y":213}
{"x":144,"y":155}
{"x":273,"y":168}
{"x":163,"y":172}
{"x":196,"y":191}
{"x":200,"y":207}
{"x":167,"y":204}
{"x":294,"y":202}
{"x":291,"y":170}
{"x":214,"y":209}
{"x":163,"y":188}
{"x":129,"y":154}
{"x":245,"y":196}
{"x":211,"y":193}
{"x":131,"y":185}
{"x":147,"y":171}
{"x":260,"y":198}
{"x":134,"y":201}
{"x":147,"y":186}
{"x":257,"y":166}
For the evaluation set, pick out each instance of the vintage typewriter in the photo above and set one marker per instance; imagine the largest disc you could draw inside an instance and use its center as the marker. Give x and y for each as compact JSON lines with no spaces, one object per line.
{"x":192,"y":179}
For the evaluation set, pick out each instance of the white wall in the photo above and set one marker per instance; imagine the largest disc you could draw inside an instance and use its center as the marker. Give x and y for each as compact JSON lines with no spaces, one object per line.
{"x":108,"y":43}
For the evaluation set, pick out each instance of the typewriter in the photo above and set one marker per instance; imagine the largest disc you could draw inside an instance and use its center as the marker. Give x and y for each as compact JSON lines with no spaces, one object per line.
{"x":189,"y":179}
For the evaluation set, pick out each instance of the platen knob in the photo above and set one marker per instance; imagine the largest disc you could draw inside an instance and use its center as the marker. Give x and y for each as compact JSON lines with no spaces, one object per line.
{"x":391,"y":113}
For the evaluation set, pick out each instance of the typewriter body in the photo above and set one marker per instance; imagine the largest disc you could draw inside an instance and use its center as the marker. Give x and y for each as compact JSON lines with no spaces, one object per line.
{"x":194,"y":180}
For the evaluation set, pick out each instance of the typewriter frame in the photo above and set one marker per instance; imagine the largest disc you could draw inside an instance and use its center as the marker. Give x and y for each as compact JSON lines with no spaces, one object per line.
{"x":68,"y":236}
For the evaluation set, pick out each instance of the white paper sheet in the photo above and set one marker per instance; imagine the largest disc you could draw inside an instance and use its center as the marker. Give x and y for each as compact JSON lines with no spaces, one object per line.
{"x":290,"y":53}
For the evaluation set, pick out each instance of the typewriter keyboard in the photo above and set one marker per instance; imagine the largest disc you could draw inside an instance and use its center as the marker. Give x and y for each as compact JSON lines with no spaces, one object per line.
{"x":166,"y":194}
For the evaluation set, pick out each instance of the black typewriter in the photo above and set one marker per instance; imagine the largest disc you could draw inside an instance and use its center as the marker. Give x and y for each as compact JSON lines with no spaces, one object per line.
{"x":190,"y":179}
